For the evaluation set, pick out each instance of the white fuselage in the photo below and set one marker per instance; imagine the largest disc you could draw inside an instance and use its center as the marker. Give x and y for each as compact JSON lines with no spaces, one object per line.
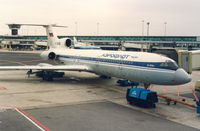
{"x":147,"y":68}
{"x":135,"y":66}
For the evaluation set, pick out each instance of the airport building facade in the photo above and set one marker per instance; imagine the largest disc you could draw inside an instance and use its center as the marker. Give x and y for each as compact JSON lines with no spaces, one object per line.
{"x":186,"y":42}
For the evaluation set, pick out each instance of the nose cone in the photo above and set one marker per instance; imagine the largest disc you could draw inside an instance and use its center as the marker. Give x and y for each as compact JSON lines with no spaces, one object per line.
{"x":182,"y":77}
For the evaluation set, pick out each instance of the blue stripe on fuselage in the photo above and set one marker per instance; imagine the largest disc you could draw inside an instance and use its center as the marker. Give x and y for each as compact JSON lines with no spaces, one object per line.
{"x":123,"y":62}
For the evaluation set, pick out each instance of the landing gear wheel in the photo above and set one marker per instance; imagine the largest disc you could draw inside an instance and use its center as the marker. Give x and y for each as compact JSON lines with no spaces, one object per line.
{"x":105,"y":77}
{"x":50,"y":78}
{"x":47,"y":77}
{"x":146,"y":85}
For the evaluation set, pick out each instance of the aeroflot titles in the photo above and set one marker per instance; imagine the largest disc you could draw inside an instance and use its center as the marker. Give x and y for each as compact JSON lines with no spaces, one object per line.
{"x":118,"y":56}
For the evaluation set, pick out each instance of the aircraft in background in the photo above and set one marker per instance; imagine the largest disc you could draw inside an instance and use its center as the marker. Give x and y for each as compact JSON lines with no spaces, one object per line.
{"x":80,"y":45}
{"x":143,"y":67}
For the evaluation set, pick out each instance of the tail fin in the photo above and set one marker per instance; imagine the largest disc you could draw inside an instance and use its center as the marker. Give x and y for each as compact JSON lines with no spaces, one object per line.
{"x":75,"y":41}
{"x":52,"y":38}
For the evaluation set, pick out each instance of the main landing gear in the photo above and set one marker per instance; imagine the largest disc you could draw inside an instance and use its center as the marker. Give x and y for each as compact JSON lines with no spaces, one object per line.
{"x":46,"y":75}
{"x":146,"y":85}
{"x":105,"y":77}
{"x":49,"y":75}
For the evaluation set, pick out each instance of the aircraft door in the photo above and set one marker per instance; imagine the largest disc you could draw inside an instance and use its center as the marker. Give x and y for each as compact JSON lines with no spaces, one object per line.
{"x":121,"y":69}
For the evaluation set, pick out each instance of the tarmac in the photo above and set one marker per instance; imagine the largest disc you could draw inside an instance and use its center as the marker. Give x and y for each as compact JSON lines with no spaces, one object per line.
{"x":84,"y":101}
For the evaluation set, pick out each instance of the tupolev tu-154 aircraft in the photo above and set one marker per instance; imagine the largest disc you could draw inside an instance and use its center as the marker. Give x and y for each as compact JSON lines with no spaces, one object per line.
{"x":143,"y":67}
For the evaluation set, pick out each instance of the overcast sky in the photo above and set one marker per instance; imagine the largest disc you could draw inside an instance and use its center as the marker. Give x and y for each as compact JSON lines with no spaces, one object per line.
{"x":115,"y":17}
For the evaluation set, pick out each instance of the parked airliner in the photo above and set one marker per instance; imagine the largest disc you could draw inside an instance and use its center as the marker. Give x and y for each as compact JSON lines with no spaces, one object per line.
{"x":81,"y":45}
{"x":143,"y":67}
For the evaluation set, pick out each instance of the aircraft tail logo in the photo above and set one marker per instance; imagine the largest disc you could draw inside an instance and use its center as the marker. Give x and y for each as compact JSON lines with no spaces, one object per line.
{"x":51,"y":35}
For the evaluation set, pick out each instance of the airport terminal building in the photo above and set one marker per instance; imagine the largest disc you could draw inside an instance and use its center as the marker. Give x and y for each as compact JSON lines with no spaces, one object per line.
{"x":16,"y":41}
{"x":107,"y":42}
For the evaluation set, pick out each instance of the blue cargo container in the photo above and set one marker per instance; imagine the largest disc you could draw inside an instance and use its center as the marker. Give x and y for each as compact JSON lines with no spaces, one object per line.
{"x":198,"y":109}
{"x":198,"y":106}
{"x":141,"y":97}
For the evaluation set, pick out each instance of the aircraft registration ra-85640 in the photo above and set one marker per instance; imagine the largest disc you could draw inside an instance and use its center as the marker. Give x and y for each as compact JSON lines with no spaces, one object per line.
{"x":143,"y":67}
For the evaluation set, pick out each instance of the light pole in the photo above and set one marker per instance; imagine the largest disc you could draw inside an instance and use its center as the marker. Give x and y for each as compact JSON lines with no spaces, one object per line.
{"x":148,"y":44}
{"x":165,"y":28}
{"x":148,"y":23}
{"x":97,"y":28}
{"x":142,"y":35}
{"x":142,"y":27}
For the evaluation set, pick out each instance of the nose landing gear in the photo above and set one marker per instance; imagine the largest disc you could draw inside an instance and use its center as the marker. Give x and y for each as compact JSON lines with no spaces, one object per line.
{"x":146,"y":85}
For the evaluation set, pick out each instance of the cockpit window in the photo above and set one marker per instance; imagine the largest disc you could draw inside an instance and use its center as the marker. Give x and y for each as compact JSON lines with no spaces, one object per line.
{"x":172,"y":65}
{"x":169,"y":65}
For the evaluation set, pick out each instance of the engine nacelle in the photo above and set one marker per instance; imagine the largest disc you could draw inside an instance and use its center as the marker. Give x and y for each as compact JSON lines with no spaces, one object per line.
{"x":46,"y":55}
{"x":52,"y":56}
{"x":66,"y":42}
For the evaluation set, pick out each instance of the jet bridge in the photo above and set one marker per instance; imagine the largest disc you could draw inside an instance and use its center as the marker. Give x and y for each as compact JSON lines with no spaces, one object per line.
{"x":195,"y":59}
{"x":185,"y":59}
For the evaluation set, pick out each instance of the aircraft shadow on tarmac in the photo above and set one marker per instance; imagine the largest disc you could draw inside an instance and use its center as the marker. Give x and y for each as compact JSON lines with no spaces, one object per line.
{"x":66,"y":79}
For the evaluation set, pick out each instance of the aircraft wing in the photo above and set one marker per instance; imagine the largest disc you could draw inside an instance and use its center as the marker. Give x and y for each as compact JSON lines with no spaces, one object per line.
{"x":47,"y":67}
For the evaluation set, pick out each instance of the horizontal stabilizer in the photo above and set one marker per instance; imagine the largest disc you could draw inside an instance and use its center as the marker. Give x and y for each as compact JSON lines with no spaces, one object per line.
{"x":44,"y":25}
